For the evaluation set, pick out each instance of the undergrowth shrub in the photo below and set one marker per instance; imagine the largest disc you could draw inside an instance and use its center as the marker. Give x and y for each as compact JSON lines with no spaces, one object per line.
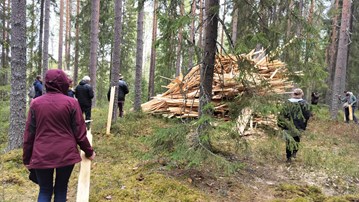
{"x":4,"y":123}
{"x":176,"y":144}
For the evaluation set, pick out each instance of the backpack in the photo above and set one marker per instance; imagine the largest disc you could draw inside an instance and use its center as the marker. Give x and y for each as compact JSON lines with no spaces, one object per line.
{"x":31,"y":93}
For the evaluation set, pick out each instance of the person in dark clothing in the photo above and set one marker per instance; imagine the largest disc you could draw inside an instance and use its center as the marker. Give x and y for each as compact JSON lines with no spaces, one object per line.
{"x":122,"y":91}
{"x":293,"y":119}
{"x":38,"y":86}
{"x":350,"y":101}
{"x":84,"y":94}
{"x":54,"y":128}
{"x":70,"y":93}
{"x":315,"y":98}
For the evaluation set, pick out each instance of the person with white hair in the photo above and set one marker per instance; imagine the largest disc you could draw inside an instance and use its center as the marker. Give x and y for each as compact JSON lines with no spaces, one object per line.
{"x":84,"y":94}
{"x":293,"y":119}
{"x":350,"y":101}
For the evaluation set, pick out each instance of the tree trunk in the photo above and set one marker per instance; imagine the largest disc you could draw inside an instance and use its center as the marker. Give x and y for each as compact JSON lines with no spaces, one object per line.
{"x":289,"y":22}
{"x":331,"y":53}
{"x":45,"y":57}
{"x":77,"y":38}
{"x":207,"y":68}
{"x":32,"y":40}
{"x":39,"y":59}
{"x":95,"y":14}
{"x":300,"y":13}
{"x":200,"y":37}
{"x":139,"y":58}
{"x":179,"y":45}
{"x":234,"y":24}
{"x":116,"y":54}
{"x":342,"y":57}
{"x":223,"y":27}
{"x":4,"y":57}
{"x":151,"y":80}
{"x":192,"y":35}
{"x":18,"y":74}
{"x":61,"y":32}
{"x":68,"y":35}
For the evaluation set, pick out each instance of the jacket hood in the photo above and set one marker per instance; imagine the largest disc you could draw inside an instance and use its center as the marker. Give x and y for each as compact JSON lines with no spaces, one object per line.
{"x":37,"y":81}
{"x":56,"y":81}
{"x":83,"y":82}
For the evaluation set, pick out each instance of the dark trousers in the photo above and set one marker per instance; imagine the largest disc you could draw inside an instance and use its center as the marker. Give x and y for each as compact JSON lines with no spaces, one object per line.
{"x":346,"y":112}
{"x":47,"y":188}
{"x":292,"y":147}
{"x":87,"y":112}
{"x":120,"y":108}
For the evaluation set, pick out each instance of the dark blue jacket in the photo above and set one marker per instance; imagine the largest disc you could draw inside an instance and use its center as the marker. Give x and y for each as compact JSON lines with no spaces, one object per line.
{"x":38,"y":88}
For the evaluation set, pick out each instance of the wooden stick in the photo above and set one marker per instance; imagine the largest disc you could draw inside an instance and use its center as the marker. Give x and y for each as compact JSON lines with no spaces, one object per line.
{"x":350,"y":113}
{"x":83,"y":186}
{"x":110,"y":109}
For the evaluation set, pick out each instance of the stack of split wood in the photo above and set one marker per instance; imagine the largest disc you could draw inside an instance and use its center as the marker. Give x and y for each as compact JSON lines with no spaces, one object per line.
{"x":256,"y":70}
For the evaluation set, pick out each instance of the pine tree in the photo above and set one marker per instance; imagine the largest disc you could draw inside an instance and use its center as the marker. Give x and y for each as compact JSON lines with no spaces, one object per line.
{"x":18,"y":74}
{"x":139,"y":57}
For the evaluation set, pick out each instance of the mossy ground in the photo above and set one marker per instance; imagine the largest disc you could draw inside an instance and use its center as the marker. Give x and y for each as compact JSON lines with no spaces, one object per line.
{"x":136,"y":162}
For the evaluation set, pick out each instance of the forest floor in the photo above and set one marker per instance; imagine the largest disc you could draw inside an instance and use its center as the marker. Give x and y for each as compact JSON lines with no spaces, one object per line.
{"x":127,"y":168}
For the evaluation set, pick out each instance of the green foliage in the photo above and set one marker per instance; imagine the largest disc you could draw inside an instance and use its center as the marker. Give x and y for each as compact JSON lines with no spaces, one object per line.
{"x":175,"y":143}
{"x":4,"y":122}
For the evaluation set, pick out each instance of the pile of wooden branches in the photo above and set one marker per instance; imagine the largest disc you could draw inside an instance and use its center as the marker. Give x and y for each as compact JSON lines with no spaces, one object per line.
{"x":233,"y":75}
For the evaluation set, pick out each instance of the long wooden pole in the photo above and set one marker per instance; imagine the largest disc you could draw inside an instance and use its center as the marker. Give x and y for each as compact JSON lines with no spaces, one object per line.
{"x":110,"y":109}
{"x":83,"y":186}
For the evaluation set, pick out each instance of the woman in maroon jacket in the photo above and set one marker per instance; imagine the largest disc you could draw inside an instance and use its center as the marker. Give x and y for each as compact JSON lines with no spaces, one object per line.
{"x":54,"y":128}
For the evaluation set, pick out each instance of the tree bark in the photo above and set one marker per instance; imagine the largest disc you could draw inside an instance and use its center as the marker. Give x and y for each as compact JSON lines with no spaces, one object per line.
{"x":151,"y":80}
{"x":77,"y":39}
{"x":192,"y":35}
{"x":61,"y":32}
{"x":300,"y":14}
{"x":116,"y":54}
{"x":4,"y":56}
{"x":68,"y":35}
{"x":179,"y":45}
{"x":207,"y":68}
{"x":95,"y":14}
{"x":234,"y":24}
{"x":39,"y":61}
{"x":342,"y":57}
{"x":18,"y":74}
{"x":222,"y":26}
{"x":139,"y":58}
{"x":45,"y":57}
{"x":289,"y":22}
{"x":200,"y":37}
{"x":331,"y":53}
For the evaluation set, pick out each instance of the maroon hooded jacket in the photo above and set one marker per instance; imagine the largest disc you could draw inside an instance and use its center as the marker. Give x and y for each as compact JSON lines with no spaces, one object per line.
{"x":54,"y":127}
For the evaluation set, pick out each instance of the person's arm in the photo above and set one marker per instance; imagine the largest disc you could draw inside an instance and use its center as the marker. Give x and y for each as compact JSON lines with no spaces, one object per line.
{"x":342,"y":99}
{"x":125,"y":88}
{"x":90,"y":90}
{"x":353,"y":100}
{"x":29,"y":137}
{"x":79,"y":131}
